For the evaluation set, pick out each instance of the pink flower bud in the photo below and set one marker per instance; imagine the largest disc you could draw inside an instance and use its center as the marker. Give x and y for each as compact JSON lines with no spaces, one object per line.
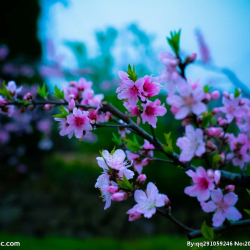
{"x":113,"y":189}
{"x":22,"y":110}
{"x":71,"y":96}
{"x":72,"y":105}
{"x":217,"y":176}
{"x":210,"y":173}
{"x":133,"y":214}
{"x":229,"y":188}
{"x":242,"y":103}
{"x":28,"y":97}
{"x":141,"y":179}
{"x":191,"y":58}
{"x":212,"y":131}
{"x":215,"y":94}
{"x":120,"y":196}
{"x":31,"y":107}
{"x":216,"y":110}
{"x":225,"y":94}
{"x":210,"y":146}
{"x":48,"y":106}
{"x":186,"y":122}
{"x":207,"y":97}
{"x":223,"y":122}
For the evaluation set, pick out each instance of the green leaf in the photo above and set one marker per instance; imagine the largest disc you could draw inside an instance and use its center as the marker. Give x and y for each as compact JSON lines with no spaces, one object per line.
{"x":207,"y":88}
{"x":26,"y":103}
{"x":5,"y":92}
{"x":207,"y":116}
{"x":125,"y":183}
{"x":207,"y":232}
{"x":174,"y":41}
{"x":248,"y":191}
{"x":64,"y":113}
{"x":113,"y":150}
{"x":42,"y":91}
{"x":169,"y":147}
{"x":237,"y":93}
{"x":132,"y":145}
{"x":59,"y":94}
{"x":116,"y":139}
{"x":63,"y":110}
{"x":247,"y":211}
{"x":60,"y":116}
{"x":131,"y":73}
{"x":216,"y":159}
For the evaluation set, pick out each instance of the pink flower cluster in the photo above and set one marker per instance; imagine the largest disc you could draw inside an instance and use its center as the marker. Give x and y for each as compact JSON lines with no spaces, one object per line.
{"x":142,"y":89}
{"x":138,"y":158}
{"x":205,"y":185}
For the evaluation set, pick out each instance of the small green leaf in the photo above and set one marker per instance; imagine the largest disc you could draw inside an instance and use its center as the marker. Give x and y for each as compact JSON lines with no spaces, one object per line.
{"x":59,"y":94}
{"x":248,"y":191}
{"x":207,"y":116}
{"x":125,"y":183}
{"x":169,"y":147}
{"x":133,"y":146}
{"x":131,"y":73}
{"x":26,"y":103}
{"x":174,"y":41}
{"x":247,"y":211}
{"x":5,"y":92}
{"x":167,"y":137}
{"x":116,"y":139}
{"x":60,"y":116}
{"x":207,"y":88}
{"x":42,"y":91}
{"x":216,"y":159}
{"x":113,"y":150}
{"x":237,"y":93}
{"x":207,"y":232}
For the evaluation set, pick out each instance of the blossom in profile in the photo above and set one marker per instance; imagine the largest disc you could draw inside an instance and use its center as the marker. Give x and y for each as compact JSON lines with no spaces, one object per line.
{"x":11,"y":87}
{"x":138,"y":162}
{"x":151,"y":110}
{"x":63,"y":127}
{"x":103,"y":183}
{"x":223,"y":207}
{"x":203,"y":183}
{"x":191,"y":144}
{"x":189,"y":100}
{"x":133,"y":214}
{"x":147,"y":202}
{"x":78,"y":122}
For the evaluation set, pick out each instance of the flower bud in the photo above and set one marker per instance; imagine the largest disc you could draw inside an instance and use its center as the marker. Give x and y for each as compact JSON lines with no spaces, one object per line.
{"x":120,"y":196}
{"x":207,"y":97}
{"x":133,"y":214}
{"x":191,"y":58}
{"x":225,"y":94}
{"x":113,"y":189}
{"x":217,"y":175}
{"x":186,"y":122}
{"x":141,"y":179}
{"x":215,"y":94}
{"x":71,"y":105}
{"x":229,"y":188}
{"x":22,"y":110}
{"x":212,"y":131}
{"x":210,"y":173}
{"x":223,"y":122}
{"x":174,"y":110}
{"x":216,"y":110}
{"x":28,"y":97}
{"x":31,"y":107}
{"x":48,"y":106}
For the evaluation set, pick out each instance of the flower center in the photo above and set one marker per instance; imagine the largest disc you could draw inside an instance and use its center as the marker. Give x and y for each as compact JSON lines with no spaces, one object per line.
{"x":189,"y":101}
{"x":134,"y":91}
{"x":203,"y":183}
{"x":78,"y":121}
{"x":149,"y":111}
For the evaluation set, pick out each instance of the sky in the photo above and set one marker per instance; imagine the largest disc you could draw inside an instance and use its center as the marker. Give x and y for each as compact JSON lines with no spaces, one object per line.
{"x":224,"y":23}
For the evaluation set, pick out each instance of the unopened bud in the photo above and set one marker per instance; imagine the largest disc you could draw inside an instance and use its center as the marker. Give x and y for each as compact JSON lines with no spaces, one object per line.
{"x":113,"y":189}
{"x":217,"y":175}
{"x":207,"y":97}
{"x":141,"y":179}
{"x":48,"y":106}
{"x":31,"y":107}
{"x":212,"y":131}
{"x":22,"y":110}
{"x":210,"y":173}
{"x":191,"y":58}
{"x":215,"y":94}
{"x":186,"y":122}
{"x":216,"y":110}
{"x":229,"y":188}
{"x":28,"y":97}
{"x":72,"y":105}
{"x":225,"y":94}
{"x":120,"y":196}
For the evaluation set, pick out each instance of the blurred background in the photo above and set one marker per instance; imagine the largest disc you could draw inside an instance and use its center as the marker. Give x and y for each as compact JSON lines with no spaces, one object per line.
{"x":47,"y":194}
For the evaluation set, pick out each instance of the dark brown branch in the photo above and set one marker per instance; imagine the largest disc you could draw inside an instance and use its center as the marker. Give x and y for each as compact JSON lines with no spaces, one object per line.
{"x":197,"y":233}
{"x":175,"y":221}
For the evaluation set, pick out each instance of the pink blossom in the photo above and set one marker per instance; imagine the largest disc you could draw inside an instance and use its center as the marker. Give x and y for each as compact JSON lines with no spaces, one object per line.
{"x":141,"y":179}
{"x":213,"y":131}
{"x":147,"y":145}
{"x":150,"y":88}
{"x":64,"y":127}
{"x":131,"y":91}
{"x":133,"y":214}
{"x":232,"y":107}
{"x":48,"y":106}
{"x":103,"y":183}
{"x":189,"y":100}
{"x":133,"y":111}
{"x":89,"y":98}
{"x":138,"y":162}
{"x":11,"y":87}
{"x":6,"y":109}
{"x":78,"y":122}
{"x":217,"y":175}
{"x":151,"y":111}
{"x":119,"y":196}
{"x":191,"y":144}
{"x":223,"y":207}
{"x":202,"y":184}
{"x":123,"y":75}
{"x":147,"y":202}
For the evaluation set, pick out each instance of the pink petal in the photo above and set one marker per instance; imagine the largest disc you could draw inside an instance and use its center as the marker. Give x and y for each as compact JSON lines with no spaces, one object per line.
{"x":182,"y":113}
{"x":140,"y":196}
{"x":152,"y":191}
{"x":217,"y":195}
{"x":232,"y":213}
{"x":230,"y":199}
{"x":218,"y":218}
{"x":199,"y":108}
{"x":208,"y":206}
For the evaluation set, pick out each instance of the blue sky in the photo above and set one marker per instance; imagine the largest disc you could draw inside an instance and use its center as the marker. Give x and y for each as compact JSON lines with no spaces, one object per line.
{"x":224,"y":23}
